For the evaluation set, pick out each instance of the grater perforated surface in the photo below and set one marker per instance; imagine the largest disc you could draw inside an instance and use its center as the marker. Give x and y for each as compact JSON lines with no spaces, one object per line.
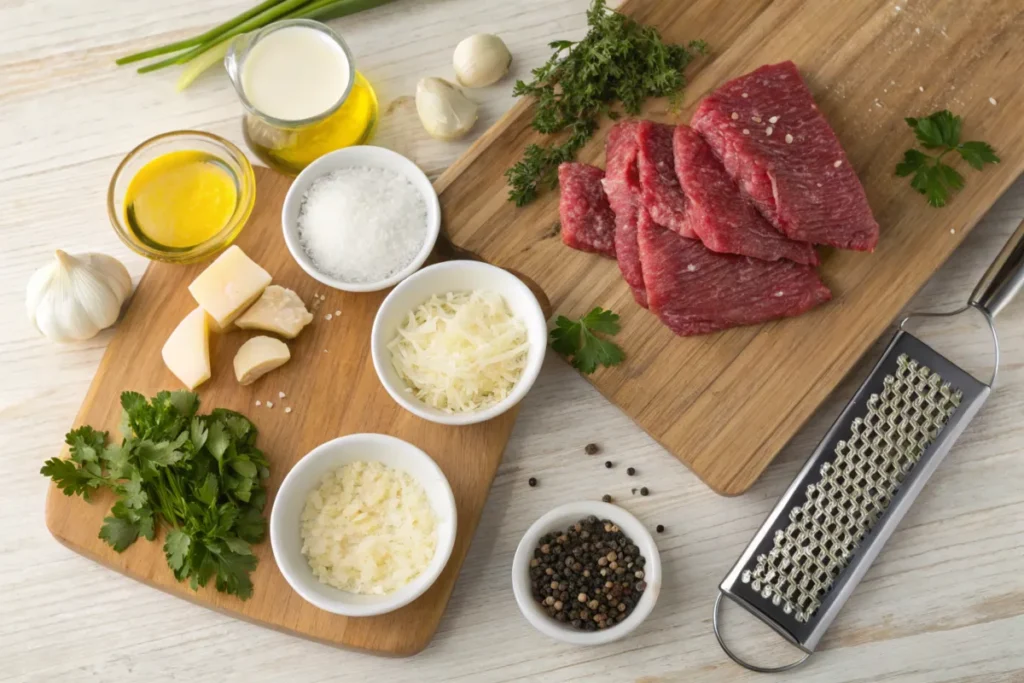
{"x":855,"y":488}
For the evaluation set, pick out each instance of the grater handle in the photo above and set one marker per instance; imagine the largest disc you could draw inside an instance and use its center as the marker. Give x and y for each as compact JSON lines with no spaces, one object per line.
{"x":1003,"y":279}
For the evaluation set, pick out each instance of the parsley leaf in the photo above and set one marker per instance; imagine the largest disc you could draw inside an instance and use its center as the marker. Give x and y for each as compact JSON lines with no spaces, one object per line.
{"x":619,"y":60}
{"x":199,"y":475}
{"x":585,"y":350}
{"x":119,"y":532}
{"x":934,"y":179}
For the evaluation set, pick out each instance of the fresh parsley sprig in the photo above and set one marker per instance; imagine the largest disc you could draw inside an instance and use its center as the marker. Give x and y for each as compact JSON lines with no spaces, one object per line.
{"x":577,"y":341}
{"x":200,"y":476}
{"x":933,"y":178}
{"x":619,"y":60}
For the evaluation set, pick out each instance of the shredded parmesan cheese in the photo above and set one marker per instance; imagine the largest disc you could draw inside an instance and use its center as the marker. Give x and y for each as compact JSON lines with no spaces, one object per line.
{"x":368,"y":529}
{"x":462,"y":352}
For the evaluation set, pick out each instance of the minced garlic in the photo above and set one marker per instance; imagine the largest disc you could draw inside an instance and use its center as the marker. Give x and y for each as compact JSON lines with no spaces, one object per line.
{"x":368,"y":528}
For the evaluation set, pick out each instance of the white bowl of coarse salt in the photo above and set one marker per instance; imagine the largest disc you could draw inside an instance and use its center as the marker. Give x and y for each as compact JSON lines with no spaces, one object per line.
{"x":361,"y":218}
{"x":344,"y":528}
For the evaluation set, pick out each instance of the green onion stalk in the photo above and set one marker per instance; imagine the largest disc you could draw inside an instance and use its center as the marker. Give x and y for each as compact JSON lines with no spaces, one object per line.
{"x":205,"y":50}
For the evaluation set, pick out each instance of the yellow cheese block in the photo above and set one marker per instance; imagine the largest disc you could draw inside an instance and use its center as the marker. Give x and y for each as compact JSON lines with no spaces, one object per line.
{"x":186,"y":352}
{"x":279,"y":310}
{"x":258,"y":356}
{"x":229,"y":285}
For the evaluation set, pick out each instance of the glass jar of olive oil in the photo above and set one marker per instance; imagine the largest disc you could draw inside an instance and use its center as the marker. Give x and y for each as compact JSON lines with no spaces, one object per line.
{"x":302,"y":94}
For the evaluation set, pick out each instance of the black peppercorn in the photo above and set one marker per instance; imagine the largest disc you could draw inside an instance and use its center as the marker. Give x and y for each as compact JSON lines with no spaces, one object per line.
{"x":606,"y":498}
{"x":591,"y":449}
{"x":532,"y":481}
{"x":644,"y":491}
{"x":660,"y":528}
{"x":588,"y":576}
{"x":608,"y":464}
{"x":631,"y":471}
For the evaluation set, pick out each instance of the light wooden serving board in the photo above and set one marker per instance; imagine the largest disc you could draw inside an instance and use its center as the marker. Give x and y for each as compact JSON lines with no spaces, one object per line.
{"x":332,"y":389}
{"x":725,"y":404}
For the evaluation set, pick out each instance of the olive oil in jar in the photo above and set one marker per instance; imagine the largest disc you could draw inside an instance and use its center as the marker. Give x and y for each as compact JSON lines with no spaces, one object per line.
{"x":180,"y":200}
{"x":302,"y":94}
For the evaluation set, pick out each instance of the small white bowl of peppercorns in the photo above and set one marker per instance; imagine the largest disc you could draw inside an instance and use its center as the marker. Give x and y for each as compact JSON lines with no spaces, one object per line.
{"x":586,"y":573}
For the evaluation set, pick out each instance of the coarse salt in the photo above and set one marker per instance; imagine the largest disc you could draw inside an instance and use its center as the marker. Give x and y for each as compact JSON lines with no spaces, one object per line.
{"x":259,"y":403}
{"x":270,"y":404}
{"x":768,"y":130}
{"x":328,"y":316}
{"x":789,"y":139}
{"x":280,"y":394}
{"x":992,"y":101}
{"x":735,"y":116}
{"x":362,"y":224}
{"x":839,"y":162}
{"x":746,"y":131}
{"x":288,"y":409}
{"x":773,"y":119}
{"x":337,"y":313}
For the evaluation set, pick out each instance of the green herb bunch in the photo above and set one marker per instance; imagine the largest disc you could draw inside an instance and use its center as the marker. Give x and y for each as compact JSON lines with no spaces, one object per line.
{"x":199,"y":475}
{"x":933,"y":178}
{"x":618,"y":60}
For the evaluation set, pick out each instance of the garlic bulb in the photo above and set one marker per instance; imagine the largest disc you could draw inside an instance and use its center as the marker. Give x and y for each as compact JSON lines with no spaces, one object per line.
{"x":75,"y":297}
{"x":481,"y":60}
{"x":444,"y":111}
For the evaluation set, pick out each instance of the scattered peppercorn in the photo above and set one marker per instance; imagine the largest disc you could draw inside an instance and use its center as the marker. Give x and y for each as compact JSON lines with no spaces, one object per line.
{"x":660,"y":528}
{"x":533,"y":481}
{"x":589,"y":576}
{"x":591,"y":449}
{"x":644,"y":491}
{"x":631,"y":471}
{"x":606,"y":498}
{"x":608,"y":464}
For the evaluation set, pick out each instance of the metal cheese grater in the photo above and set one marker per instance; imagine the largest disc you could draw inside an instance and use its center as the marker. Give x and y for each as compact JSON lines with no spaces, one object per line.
{"x":818,"y":542}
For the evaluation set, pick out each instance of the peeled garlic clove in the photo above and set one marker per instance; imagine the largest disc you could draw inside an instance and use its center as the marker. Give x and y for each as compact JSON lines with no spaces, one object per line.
{"x":444,"y":111}
{"x":481,"y":60}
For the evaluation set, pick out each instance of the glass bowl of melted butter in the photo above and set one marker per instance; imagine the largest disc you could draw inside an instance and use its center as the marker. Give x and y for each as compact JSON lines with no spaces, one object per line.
{"x":182,"y":196}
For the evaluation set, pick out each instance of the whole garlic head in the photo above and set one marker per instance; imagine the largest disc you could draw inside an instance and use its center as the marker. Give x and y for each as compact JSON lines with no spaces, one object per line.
{"x":444,"y":111}
{"x":481,"y":60}
{"x":74,"y":297}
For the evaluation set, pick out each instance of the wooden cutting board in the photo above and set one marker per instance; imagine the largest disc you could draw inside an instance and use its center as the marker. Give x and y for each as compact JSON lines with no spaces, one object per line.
{"x":332,"y":390}
{"x":725,"y":404}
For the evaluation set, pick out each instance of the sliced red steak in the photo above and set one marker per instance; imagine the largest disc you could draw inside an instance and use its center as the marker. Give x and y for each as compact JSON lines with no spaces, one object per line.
{"x":659,"y":187}
{"x":719,"y":215}
{"x":693,"y":290}
{"x":622,"y":186}
{"x":771,"y":138}
{"x":588,"y":223}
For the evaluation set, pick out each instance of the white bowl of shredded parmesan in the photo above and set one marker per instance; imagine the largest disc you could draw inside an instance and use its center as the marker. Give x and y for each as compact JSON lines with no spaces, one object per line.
{"x":361,"y":218}
{"x":459,"y":342}
{"x":363,"y":524}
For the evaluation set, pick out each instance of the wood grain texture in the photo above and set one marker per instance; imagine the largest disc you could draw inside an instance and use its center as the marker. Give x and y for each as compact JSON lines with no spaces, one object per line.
{"x":863,"y":61}
{"x":943,"y":603}
{"x":332,"y":390}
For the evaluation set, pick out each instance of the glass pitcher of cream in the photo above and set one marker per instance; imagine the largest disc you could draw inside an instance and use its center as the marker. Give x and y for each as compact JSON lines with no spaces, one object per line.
{"x":302,"y":94}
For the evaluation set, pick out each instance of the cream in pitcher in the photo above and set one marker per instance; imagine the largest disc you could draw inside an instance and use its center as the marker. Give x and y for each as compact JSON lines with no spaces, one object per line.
{"x":302,"y":94}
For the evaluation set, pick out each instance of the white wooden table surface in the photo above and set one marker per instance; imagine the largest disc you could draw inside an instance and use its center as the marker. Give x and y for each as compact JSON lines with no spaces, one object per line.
{"x":944,"y":602}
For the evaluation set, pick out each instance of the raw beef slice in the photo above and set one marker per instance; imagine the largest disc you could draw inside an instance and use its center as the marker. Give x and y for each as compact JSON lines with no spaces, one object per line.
{"x":588,"y":223}
{"x":693,"y":290}
{"x":719,"y":215}
{"x":659,"y":187}
{"x":622,"y":186}
{"x":773,"y":141}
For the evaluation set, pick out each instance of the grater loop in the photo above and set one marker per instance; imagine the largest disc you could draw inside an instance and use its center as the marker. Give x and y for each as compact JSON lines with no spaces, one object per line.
{"x":854,"y":490}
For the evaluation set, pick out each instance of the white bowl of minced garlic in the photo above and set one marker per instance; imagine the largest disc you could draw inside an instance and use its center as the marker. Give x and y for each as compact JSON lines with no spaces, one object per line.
{"x":363,"y":524}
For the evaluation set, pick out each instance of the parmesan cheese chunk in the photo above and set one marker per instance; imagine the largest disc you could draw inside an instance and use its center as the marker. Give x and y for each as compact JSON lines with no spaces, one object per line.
{"x":257,"y":357}
{"x":368,"y":528}
{"x":278,"y":310}
{"x":462,"y":352}
{"x":229,"y":285}
{"x":186,"y":352}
